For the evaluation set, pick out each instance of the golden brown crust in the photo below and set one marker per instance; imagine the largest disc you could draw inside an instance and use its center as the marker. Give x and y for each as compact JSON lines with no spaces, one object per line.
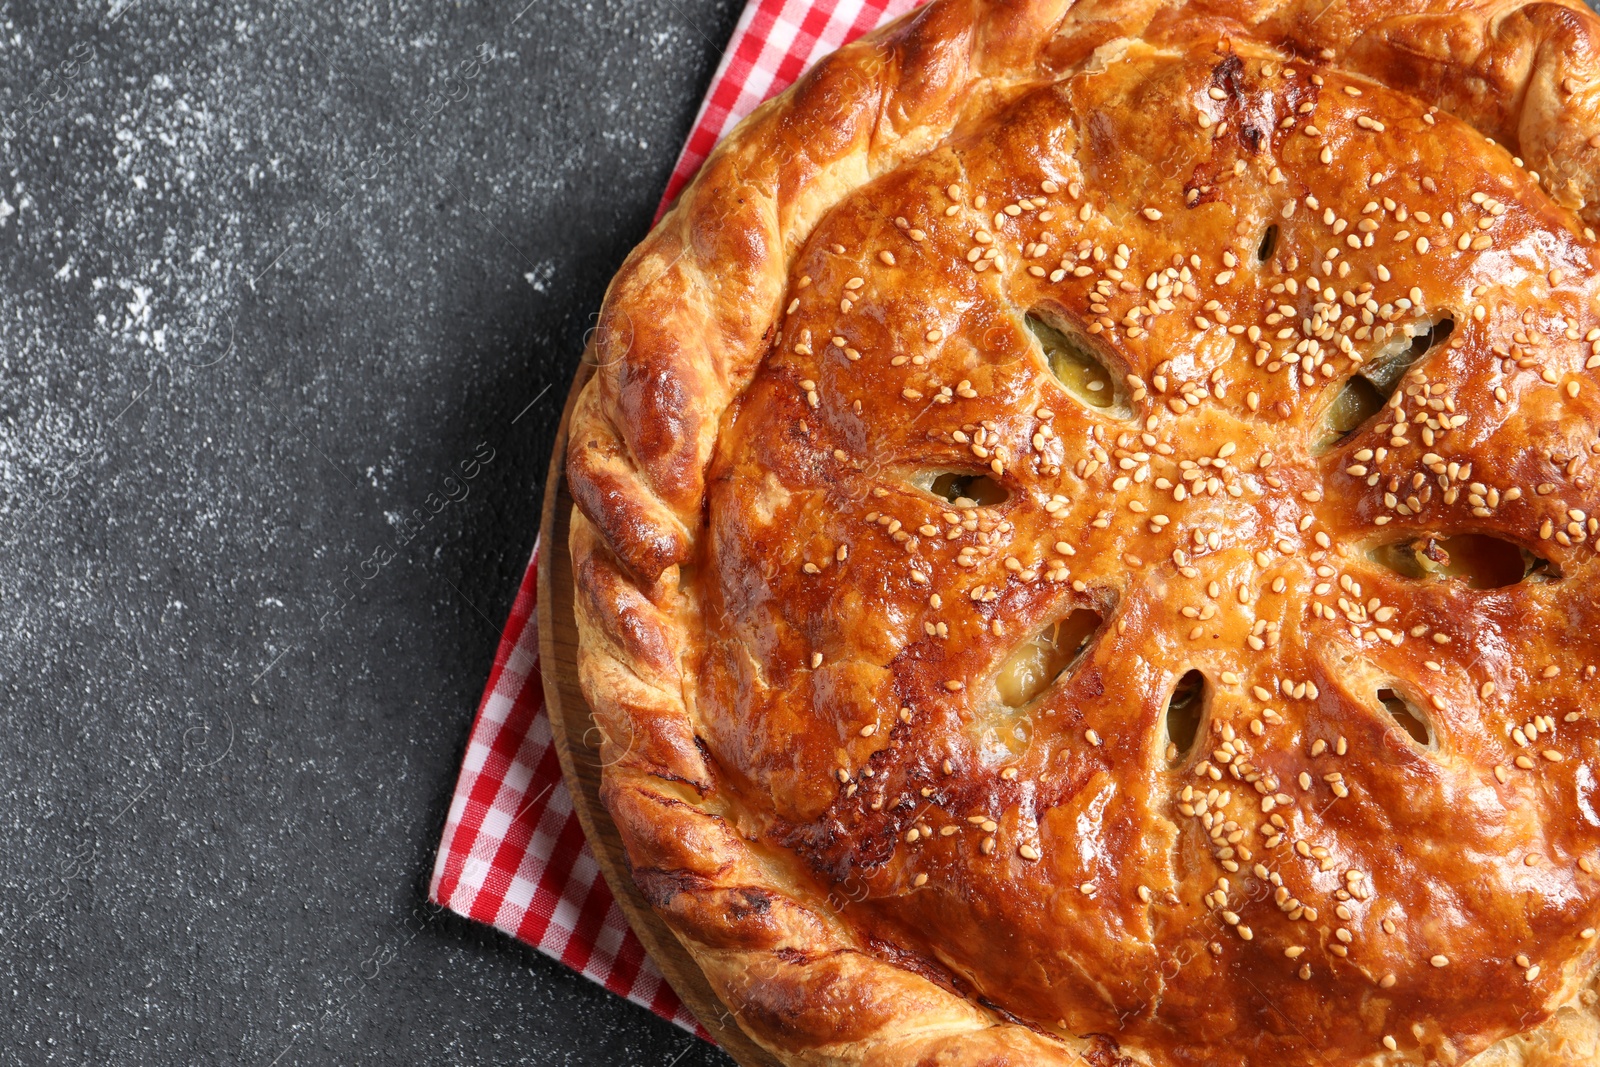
{"x":793,"y":647}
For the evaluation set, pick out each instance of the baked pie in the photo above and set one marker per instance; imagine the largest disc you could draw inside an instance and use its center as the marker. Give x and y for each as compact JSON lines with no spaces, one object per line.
{"x":1086,"y":541}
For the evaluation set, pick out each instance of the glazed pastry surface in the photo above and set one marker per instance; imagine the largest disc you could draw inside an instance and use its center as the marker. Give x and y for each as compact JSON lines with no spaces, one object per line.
{"x":1086,"y":542}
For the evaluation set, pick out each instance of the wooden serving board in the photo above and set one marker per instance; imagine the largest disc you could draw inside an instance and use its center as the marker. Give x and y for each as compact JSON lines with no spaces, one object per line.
{"x":571,"y":723}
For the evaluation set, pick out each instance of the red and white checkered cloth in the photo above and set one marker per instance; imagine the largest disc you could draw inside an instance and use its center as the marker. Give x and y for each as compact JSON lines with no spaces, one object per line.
{"x":513,"y":853}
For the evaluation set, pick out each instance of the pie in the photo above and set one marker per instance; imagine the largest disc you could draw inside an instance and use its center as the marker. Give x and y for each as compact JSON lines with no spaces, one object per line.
{"x":1085,"y":541}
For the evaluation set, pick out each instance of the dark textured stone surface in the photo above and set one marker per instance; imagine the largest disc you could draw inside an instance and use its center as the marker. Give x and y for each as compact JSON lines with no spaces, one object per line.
{"x":267,"y":278}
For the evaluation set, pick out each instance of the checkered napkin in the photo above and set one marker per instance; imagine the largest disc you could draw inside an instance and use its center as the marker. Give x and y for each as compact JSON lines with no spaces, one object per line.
{"x":513,"y":853}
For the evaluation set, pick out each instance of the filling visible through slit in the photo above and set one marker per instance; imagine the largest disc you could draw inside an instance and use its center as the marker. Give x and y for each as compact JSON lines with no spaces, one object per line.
{"x":1269,"y":244}
{"x":1078,"y":364}
{"x":1365,"y":393}
{"x":1409,"y":717}
{"x":962,"y":489}
{"x":1481,"y":561}
{"x":1042,"y":658}
{"x":1184,"y":710}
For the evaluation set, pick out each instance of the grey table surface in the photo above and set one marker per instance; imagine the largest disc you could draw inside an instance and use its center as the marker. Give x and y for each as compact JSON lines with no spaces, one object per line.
{"x":270,"y":273}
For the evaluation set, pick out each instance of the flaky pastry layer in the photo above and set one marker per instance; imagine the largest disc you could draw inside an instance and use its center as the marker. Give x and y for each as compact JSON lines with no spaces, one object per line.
{"x":1085,"y":541}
